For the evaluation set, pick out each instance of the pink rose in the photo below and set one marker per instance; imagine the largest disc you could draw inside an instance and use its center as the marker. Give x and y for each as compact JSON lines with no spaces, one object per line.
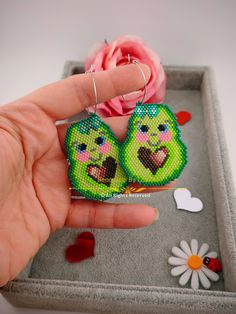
{"x":107,"y":56}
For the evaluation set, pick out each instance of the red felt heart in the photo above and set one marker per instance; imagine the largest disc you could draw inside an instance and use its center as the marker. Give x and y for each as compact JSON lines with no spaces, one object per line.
{"x":82,"y":249}
{"x":183,"y":117}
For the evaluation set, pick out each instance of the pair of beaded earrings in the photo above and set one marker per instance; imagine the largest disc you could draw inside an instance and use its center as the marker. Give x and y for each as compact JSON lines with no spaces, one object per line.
{"x":153,"y":153}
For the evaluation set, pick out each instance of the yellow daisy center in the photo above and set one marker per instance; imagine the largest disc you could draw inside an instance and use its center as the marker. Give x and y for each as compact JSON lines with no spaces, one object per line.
{"x":195,"y":262}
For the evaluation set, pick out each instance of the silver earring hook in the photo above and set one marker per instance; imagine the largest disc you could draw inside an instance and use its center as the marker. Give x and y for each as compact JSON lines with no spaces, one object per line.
{"x":143,"y":75}
{"x":144,"y":78}
{"x":128,"y":59}
{"x":91,"y":71}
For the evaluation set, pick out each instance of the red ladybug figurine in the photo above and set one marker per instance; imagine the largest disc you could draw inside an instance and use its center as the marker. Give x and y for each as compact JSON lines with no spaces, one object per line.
{"x":213,"y":264}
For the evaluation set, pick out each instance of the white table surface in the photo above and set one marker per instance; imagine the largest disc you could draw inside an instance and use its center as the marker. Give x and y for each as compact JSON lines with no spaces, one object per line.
{"x":36,"y":37}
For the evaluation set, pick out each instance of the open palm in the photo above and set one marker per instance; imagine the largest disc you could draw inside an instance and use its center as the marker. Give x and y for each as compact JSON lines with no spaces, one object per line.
{"x":35,"y":196}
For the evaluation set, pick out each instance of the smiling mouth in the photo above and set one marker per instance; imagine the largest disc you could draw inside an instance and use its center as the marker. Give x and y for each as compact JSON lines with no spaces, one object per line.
{"x":153,"y":144}
{"x":96,"y":159}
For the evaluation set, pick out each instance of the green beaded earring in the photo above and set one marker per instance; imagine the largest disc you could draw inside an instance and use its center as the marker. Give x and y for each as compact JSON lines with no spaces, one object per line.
{"x":93,"y":155}
{"x":153,"y":153}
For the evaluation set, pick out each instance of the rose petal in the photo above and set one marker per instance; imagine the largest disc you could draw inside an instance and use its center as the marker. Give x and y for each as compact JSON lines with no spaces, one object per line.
{"x":93,"y":53}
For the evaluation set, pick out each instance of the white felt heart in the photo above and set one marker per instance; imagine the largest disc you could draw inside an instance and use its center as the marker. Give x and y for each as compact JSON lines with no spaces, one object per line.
{"x":184,"y":201}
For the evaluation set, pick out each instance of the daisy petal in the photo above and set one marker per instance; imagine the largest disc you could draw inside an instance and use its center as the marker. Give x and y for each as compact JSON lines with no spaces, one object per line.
{"x":210,"y":274}
{"x":176,"y":261}
{"x":185,"y":277}
{"x":203,"y":249}
{"x":176,"y":271}
{"x":211,"y":254}
{"x":194,"y":246}
{"x":203,"y":279}
{"x":178,"y":252}
{"x":185,"y":247}
{"x":194,"y":281}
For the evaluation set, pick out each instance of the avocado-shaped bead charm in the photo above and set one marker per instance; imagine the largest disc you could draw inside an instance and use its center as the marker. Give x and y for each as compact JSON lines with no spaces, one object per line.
{"x":93,"y":155}
{"x":153,"y":152}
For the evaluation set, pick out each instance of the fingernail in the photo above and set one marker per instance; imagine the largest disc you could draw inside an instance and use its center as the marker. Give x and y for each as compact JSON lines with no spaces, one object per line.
{"x":156,"y":214}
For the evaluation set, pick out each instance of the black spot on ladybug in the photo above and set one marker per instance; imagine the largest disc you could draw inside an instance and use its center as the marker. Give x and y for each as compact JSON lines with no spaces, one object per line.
{"x":206,"y":260}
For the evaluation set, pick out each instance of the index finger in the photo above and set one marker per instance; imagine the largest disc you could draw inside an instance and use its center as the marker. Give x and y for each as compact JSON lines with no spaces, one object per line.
{"x":65,"y":98}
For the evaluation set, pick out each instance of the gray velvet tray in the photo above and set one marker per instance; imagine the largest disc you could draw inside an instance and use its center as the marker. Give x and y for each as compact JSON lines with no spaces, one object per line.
{"x":130,"y":273}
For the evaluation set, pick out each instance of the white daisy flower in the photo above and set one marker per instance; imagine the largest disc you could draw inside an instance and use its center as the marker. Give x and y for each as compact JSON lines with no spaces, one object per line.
{"x":188,"y":262}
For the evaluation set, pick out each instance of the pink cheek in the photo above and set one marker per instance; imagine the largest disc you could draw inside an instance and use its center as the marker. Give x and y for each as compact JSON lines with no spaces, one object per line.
{"x":105,"y":148}
{"x":142,"y":137}
{"x":83,"y":157}
{"x":166,"y":137}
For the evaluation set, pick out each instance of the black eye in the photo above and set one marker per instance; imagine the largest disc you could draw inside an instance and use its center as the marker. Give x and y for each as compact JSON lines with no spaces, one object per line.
{"x":81,"y":147}
{"x":162,"y":127}
{"x":100,"y":140}
{"x":144,"y":128}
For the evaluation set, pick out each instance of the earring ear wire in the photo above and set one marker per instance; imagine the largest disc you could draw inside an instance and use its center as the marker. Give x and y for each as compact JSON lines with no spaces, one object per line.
{"x":91,"y":71}
{"x":144,"y":79}
{"x":143,"y":75}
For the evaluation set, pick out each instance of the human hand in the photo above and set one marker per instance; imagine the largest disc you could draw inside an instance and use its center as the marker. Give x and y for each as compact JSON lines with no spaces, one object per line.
{"x":35,"y":197}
